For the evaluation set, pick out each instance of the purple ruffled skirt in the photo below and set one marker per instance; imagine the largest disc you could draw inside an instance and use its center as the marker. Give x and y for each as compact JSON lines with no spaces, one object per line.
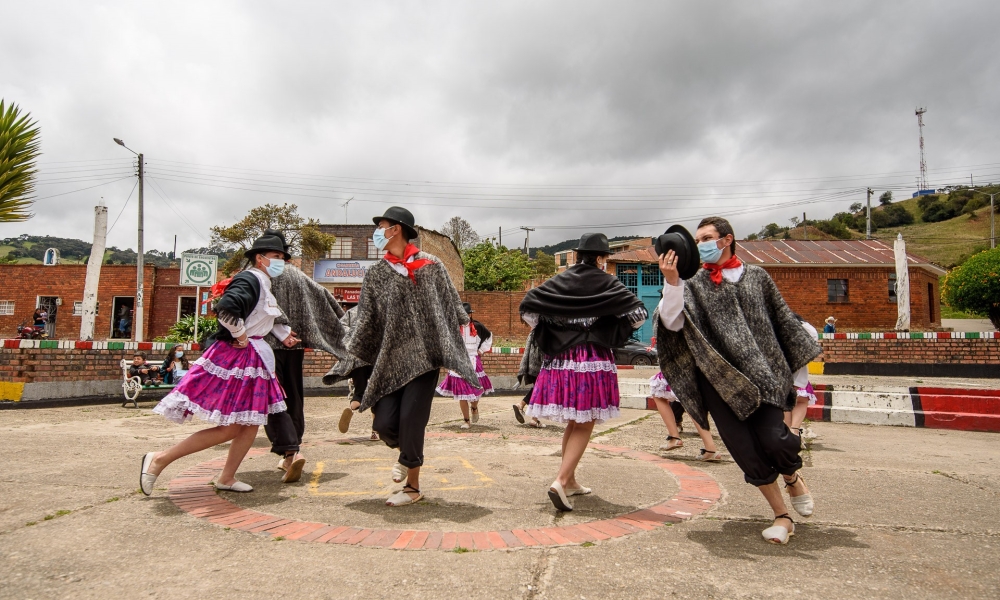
{"x":581,"y":385}
{"x":458,"y":388}
{"x":807,"y":392}
{"x":659,"y":388}
{"x":226,"y":386}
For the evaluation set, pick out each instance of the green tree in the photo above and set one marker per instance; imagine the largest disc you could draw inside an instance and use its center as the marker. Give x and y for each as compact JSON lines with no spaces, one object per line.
{"x":886,"y":198}
{"x":492,"y":268}
{"x":303,"y":235}
{"x":19,"y":147}
{"x":974,"y":286}
{"x":545,"y":264}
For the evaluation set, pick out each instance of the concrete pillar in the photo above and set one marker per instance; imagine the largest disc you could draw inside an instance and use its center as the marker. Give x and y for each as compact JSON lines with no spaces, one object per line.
{"x":94,"y":273}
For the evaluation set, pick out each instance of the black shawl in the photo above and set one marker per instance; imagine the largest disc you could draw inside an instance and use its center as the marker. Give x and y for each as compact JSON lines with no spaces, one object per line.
{"x":481,"y":330}
{"x":237,"y":302}
{"x":581,"y":291}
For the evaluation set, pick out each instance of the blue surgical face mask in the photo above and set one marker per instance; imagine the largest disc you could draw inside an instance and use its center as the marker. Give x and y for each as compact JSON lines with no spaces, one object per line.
{"x":379,"y":239}
{"x":179,"y":353}
{"x":276,"y":267}
{"x":709,"y":251}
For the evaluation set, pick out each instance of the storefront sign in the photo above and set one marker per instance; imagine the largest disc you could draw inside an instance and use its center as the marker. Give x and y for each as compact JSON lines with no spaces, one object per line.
{"x":349,"y":295}
{"x":341,"y":271}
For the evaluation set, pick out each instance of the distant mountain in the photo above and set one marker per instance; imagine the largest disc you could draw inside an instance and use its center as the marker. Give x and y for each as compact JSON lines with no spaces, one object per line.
{"x":570,"y":244}
{"x":30,"y":249}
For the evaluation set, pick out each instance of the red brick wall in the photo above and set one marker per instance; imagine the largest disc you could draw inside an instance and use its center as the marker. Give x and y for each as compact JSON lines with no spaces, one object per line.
{"x":24,"y":283}
{"x":868,"y":309}
{"x":501,"y":364}
{"x":920,"y":351}
{"x":499,"y":312}
{"x":161,"y":312}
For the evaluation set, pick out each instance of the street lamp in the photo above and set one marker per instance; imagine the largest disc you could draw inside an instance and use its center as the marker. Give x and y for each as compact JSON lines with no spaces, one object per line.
{"x":137,"y":321}
{"x":993,"y":235}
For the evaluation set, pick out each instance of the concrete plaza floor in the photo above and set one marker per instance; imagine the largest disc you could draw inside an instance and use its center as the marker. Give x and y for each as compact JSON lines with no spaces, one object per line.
{"x":900,"y":513}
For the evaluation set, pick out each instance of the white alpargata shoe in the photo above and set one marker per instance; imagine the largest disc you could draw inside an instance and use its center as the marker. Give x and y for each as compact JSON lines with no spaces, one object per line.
{"x":399,"y":473}
{"x":802,"y":504}
{"x":238,"y":486}
{"x":146,"y":480}
{"x":776,"y":534}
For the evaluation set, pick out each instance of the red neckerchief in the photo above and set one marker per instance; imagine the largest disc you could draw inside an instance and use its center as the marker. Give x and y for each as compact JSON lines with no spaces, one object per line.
{"x":472,"y":329}
{"x":715,"y":270}
{"x":412,"y":266}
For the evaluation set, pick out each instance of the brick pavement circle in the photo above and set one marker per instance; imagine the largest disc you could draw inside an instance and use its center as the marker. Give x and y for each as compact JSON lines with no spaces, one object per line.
{"x":698,"y":493}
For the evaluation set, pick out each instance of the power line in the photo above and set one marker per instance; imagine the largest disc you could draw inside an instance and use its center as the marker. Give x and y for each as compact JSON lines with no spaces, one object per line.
{"x":81,"y":189}
{"x":123,"y":206}
{"x":158,"y":190}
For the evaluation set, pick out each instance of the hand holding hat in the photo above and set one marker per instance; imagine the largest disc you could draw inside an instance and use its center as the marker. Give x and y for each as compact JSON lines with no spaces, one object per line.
{"x":678,"y":253}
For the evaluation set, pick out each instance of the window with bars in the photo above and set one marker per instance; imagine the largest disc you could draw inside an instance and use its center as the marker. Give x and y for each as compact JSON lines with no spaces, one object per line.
{"x":836,"y":290}
{"x":6,"y":307}
{"x":341,"y":248}
{"x":373,"y":252}
{"x":651,"y":275}
{"x":78,"y":308}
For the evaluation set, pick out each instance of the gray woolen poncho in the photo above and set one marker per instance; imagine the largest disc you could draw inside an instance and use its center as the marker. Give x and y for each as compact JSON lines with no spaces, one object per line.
{"x":742,"y":336}
{"x":311,"y":311}
{"x":404,"y":330}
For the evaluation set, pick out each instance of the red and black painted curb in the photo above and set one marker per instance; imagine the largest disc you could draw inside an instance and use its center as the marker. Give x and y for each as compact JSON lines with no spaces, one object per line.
{"x":931,"y":407}
{"x":698,"y":493}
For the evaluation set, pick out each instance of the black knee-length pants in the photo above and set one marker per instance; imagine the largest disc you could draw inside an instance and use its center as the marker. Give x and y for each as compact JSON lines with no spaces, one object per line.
{"x":762,"y":445}
{"x":401,"y":418}
{"x":285,"y":429}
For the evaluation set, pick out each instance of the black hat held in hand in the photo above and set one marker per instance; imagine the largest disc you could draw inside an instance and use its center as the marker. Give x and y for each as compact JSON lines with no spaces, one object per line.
{"x":679,"y":240}
{"x":271,"y":241}
{"x":399,"y":216}
{"x":594,"y":242}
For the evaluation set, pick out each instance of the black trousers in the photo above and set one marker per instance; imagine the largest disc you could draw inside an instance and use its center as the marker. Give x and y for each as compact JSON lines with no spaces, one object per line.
{"x":401,"y":418}
{"x":285,"y":429}
{"x":762,"y":445}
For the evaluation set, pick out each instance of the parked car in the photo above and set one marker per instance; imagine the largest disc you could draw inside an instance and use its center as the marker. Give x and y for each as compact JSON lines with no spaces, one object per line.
{"x":635,"y":353}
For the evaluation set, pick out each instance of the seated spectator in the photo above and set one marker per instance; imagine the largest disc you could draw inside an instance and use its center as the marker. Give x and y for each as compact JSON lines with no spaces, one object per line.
{"x":175,"y":366}
{"x":148,"y":374}
{"x":831,"y":325}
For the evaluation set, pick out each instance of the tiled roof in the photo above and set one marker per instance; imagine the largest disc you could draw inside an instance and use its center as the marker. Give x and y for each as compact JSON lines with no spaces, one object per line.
{"x":798,"y":252}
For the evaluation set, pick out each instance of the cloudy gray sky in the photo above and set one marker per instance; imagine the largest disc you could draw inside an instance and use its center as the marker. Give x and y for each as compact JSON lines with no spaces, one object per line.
{"x":566,"y":116}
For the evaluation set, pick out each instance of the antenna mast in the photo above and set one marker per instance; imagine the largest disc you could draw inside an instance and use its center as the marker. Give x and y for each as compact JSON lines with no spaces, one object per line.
{"x":923,"y":162}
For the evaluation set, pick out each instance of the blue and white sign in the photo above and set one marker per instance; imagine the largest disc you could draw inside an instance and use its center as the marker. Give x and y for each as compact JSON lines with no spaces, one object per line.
{"x":341,"y":271}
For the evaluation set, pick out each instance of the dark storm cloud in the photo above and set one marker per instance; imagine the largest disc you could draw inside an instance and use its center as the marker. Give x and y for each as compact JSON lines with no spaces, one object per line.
{"x":599,"y":93}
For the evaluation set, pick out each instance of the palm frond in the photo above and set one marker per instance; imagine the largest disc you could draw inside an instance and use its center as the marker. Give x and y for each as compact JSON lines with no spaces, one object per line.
{"x":19,"y":147}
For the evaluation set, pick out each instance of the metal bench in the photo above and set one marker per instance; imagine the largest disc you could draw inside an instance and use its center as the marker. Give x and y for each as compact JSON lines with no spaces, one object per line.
{"x":132,"y":385}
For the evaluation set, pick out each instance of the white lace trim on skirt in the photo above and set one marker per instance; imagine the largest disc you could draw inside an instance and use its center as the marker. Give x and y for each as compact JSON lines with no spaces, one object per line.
{"x":658,"y":389}
{"x":237,"y":373}
{"x":804,"y":393}
{"x":596,"y":366}
{"x":178,"y":408}
{"x":562,"y":414}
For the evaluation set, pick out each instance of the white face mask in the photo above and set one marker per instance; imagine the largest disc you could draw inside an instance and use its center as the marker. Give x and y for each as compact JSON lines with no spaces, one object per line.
{"x":379,"y":239}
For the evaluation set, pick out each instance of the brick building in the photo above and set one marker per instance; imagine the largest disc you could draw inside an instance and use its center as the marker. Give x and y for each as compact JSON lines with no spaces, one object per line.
{"x":353,"y":253}
{"x":566,"y":258}
{"x":59,"y":288}
{"x":853,"y":280}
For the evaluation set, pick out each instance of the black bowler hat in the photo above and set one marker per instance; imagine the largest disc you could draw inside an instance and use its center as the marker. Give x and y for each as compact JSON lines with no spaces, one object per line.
{"x":594,"y":242}
{"x":398,"y":215}
{"x":679,"y":240}
{"x":468,"y":308}
{"x":272,"y":240}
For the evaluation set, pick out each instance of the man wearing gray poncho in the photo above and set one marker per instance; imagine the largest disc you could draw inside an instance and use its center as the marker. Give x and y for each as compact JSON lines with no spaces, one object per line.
{"x":314,"y":315}
{"x":730,"y":346}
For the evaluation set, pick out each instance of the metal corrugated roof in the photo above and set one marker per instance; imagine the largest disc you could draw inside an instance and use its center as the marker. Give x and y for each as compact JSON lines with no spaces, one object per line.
{"x":800,"y":252}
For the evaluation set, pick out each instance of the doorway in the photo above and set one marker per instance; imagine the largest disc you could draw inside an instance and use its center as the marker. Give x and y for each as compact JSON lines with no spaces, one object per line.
{"x":121,"y":317}
{"x":49,"y":304}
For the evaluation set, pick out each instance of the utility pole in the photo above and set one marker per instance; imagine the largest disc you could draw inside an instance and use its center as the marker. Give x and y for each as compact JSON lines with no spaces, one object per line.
{"x":137,"y":322}
{"x":345,"y":209}
{"x":805,"y":230}
{"x":868,"y":226}
{"x":499,"y":236}
{"x":174,"y":255}
{"x":527,"y":236}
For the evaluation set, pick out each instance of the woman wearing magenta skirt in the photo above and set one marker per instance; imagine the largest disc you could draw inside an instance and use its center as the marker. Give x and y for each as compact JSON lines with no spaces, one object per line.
{"x":577,"y":317}
{"x":233,"y":385}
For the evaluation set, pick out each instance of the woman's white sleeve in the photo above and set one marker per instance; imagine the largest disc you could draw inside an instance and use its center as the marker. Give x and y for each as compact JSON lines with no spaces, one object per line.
{"x":237,"y":328}
{"x":530,"y":318}
{"x":281,"y":331}
{"x":672,"y":306}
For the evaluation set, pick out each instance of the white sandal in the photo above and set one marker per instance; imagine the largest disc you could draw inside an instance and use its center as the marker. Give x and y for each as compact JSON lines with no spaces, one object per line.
{"x":399,"y":473}
{"x":803,"y":504}
{"x":146,"y":480}
{"x":580,"y":491}
{"x":402,"y":497}
{"x":238,"y":486}
{"x":294,"y":472}
{"x":776,"y":534}
{"x":557,"y":494}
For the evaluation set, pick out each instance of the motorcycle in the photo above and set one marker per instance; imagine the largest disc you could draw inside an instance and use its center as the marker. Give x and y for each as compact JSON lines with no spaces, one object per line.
{"x":31,"y":332}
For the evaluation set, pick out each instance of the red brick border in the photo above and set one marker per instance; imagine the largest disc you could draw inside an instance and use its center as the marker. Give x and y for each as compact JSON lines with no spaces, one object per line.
{"x":698,"y":493}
